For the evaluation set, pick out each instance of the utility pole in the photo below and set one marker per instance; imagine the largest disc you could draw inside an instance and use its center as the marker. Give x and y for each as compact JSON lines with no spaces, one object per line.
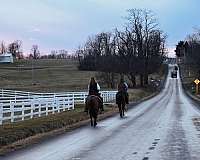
{"x":32,"y":71}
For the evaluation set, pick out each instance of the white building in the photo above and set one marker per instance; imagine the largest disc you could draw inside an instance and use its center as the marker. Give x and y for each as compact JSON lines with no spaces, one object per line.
{"x":6,"y":58}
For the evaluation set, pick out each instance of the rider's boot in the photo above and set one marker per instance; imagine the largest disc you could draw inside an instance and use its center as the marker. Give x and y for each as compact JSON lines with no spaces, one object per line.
{"x":127,"y":98}
{"x":86,"y":107}
{"x":101,"y":104}
{"x":102,"y":109}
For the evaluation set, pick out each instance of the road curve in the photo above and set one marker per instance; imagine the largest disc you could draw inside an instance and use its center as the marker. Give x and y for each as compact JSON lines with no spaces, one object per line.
{"x":162,"y":128}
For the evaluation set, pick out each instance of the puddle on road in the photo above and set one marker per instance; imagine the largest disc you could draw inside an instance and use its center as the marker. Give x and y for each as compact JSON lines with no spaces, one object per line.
{"x":157,"y":139}
{"x":124,"y":126}
{"x":76,"y":158}
{"x":151,"y":148}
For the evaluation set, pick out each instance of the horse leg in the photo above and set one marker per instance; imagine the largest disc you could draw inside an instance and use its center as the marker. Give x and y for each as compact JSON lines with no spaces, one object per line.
{"x":123,"y":108}
{"x":120,"y":109}
{"x":95,"y":117}
{"x":91,"y":120}
{"x":95,"y":121}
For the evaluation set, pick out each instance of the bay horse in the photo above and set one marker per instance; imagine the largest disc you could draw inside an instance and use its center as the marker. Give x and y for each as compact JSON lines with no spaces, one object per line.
{"x":121,"y":102}
{"x":92,"y":103}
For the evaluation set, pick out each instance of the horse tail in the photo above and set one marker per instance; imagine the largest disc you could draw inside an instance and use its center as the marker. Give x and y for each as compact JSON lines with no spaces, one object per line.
{"x":93,"y":107}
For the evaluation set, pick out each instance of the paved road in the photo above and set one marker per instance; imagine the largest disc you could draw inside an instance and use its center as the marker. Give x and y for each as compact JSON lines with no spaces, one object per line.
{"x":163,"y":128}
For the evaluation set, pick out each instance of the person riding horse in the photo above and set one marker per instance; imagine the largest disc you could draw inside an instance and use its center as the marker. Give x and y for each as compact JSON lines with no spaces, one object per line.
{"x":122,"y":97}
{"x":122,"y":89}
{"x":94,"y":89}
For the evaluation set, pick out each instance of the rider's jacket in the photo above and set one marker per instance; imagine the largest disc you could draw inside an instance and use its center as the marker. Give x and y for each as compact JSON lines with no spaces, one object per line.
{"x":122,"y":87}
{"x":94,"y":89}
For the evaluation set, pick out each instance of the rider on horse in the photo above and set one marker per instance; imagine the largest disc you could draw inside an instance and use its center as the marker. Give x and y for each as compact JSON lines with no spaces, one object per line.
{"x":122,"y":89}
{"x":93,"y":89}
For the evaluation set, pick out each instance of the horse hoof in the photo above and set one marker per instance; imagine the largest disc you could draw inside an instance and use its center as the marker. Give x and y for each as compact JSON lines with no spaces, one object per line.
{"x":95,"y":125}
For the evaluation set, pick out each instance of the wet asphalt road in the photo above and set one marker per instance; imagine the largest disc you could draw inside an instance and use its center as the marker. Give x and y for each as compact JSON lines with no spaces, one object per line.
{"x":161,"y":128}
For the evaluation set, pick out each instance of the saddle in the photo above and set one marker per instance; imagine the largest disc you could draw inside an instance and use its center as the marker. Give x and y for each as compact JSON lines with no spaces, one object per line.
{"x":91,"y":96}
{"x":120,"y":96}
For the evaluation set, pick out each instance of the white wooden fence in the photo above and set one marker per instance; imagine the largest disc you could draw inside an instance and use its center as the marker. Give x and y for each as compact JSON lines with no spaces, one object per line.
{"x":19,"y":105}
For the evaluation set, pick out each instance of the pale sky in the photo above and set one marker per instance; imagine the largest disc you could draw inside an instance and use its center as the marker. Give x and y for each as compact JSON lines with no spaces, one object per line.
{"x":66,"y":24}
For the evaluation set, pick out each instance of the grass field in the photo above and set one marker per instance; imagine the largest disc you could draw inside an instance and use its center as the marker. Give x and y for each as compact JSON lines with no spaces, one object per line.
{"x":46,"y":76}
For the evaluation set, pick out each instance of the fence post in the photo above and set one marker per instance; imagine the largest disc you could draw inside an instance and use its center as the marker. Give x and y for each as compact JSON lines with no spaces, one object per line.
{"x":73,"y":98}
{"x":64,"y":103}
{"x":54,"y":103}
{"x":1,"y":114}
{"x":47,"y":108}
{"x":22,"y":111}
{"x":84,"y":97}
{"x":39,"y":108}
{"x":103,"y":96}
{"x":12,"y":111}
{"x":32,"y":107}
{"x":73,"y":102}
{"x":58,"y":104}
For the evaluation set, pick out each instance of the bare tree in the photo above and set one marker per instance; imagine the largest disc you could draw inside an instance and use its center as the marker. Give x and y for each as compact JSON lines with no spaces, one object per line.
{"x":2,"y":48}
{"x":136,"y":50}
{"x":15,"y":48}
{"x":35,"y":51}
{"x":144,"y":27}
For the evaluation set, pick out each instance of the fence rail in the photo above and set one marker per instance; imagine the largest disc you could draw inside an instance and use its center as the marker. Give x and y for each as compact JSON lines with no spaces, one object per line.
{"x":19,"y":105}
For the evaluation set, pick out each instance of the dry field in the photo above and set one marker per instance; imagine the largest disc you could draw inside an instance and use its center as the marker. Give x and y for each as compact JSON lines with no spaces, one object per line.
{"x":44,"y":76}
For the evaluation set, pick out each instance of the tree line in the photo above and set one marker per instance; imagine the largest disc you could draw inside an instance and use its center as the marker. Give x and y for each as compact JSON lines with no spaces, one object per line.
{"x":15,"y":48}
{"x":137,"y":50}
{"x":188,"y":51}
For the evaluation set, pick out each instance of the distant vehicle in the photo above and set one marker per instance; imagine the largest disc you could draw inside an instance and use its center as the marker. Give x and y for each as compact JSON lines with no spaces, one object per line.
{"x":174,"y":74}
{"x":176,"y":68}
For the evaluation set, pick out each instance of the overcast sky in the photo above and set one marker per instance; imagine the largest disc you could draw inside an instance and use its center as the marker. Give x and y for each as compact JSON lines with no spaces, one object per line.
{"x":66,"y":24}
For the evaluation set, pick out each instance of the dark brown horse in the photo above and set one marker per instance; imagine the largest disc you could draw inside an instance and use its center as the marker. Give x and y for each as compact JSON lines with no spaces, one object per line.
{"x":92,"y":103}
{"x":121,"y":102}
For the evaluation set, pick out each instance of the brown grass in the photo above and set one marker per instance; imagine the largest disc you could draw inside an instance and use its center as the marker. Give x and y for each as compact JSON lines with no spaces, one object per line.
{"x":48,"y":76}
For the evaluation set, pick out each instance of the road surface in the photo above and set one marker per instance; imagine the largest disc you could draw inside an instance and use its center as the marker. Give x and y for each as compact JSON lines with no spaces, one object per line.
{"x":162,"y":128}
